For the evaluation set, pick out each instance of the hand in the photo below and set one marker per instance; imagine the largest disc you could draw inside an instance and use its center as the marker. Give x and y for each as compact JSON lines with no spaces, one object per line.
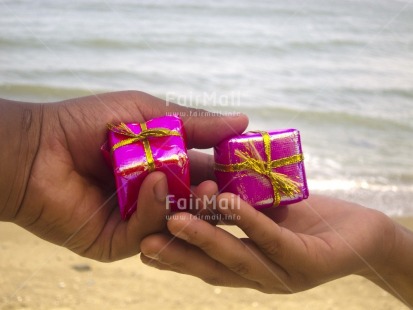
{"x":315,"y":241}
{"x":69,"y":197}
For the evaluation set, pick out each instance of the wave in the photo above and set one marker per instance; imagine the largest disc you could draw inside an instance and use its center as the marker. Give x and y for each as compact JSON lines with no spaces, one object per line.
{"x":322,"y":45}
{"x":45,"y":91}
{"x":324,"y":116}
{"x":355,"y":91}
{"x":264,"y":112}
{"x":94,"y":43}
{"x":390,"y":199}
{"x":346,"y":185}
{"x":171,"y":42}
{"x":141,"y":43}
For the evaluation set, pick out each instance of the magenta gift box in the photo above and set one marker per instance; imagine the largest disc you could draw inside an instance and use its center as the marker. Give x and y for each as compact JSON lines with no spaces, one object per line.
{"x":264,"y":168}
{"x":157,"y":145}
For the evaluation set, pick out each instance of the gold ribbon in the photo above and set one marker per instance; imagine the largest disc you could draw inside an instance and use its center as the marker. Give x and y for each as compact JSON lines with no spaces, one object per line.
{"x":281,"y":183}
{"x":143,"y":136}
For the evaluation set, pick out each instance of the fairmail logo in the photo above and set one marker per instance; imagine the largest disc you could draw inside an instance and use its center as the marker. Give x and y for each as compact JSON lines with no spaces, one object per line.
{"x":199,"y":203}
{"x":205,"y":99}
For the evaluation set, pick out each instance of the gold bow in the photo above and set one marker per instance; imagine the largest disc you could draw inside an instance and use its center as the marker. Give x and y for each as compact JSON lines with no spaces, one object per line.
{"x":281,"y":183}
{"x":143,"y":136}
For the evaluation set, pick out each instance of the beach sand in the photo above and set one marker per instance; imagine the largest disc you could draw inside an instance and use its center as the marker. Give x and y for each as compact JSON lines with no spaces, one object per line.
{"x":39,"y":275}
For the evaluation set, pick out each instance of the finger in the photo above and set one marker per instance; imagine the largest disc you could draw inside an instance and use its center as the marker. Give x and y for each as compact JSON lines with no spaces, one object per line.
{"x":149,"y":217}
{"x":203,"y":201}
{"x":168,"y":253}
{"x":277,"y":214}
{"x":201,"y":167}
{"x":280,"y":244}
{"x":245,"y":260}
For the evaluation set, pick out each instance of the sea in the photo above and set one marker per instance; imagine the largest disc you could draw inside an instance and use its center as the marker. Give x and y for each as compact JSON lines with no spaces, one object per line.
{"x":340,"y":71}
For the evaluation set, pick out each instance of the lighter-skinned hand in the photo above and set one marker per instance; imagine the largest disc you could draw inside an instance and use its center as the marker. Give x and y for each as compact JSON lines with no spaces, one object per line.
{"x":288,"y":249}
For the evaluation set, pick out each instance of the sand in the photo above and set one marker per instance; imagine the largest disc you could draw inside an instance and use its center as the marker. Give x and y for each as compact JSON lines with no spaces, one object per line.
{"x":38,"y":275}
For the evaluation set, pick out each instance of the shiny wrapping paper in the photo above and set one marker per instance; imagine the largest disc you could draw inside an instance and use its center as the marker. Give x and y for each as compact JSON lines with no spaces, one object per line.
{"x":157,"y":145}
{"x":264,"y":168}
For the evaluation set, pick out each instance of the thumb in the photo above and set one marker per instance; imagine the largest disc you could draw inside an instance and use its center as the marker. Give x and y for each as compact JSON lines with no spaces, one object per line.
{"x":207,"y":131}
{"x":149,"y":217}
{"x":204,"y":129}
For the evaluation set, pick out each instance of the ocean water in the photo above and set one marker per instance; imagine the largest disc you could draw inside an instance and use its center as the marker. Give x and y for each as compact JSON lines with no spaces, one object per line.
{"x":339,"y":71}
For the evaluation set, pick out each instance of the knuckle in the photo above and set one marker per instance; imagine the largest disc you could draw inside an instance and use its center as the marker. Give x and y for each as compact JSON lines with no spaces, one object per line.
{"x":272,"y":248}
{"x":240,"y":268}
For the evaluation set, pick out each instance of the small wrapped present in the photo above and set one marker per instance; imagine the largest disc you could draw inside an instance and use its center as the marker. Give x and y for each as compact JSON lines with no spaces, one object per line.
{"x":138,"y":149}
{"x":264,"y":168}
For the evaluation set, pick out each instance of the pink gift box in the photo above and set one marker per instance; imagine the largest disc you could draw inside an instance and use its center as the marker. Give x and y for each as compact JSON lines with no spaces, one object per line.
{"x":243,"y":168}
{"x":131,"y":161}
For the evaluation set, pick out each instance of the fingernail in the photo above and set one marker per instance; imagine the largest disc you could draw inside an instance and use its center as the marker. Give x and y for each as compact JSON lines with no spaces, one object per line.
{"x":160,"y":190}
{"x":183,"y":236}
{"x":152,"y":256}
